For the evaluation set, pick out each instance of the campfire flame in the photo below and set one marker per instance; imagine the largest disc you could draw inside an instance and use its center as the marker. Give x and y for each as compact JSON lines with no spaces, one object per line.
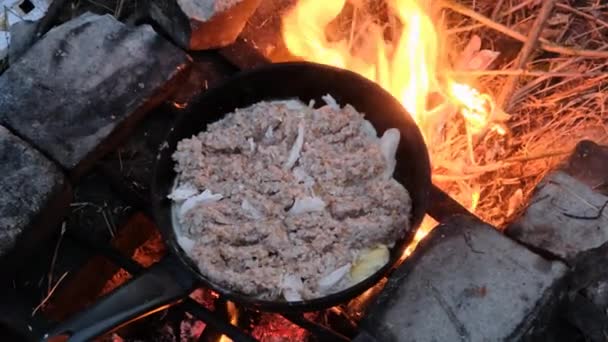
{"x":407,"y":65}
{"x":406,"y":69}
{"x":233,"y":314}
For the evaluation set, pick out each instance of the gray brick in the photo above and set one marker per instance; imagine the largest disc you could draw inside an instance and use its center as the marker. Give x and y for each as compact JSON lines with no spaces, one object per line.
{"x":32,"y":194}
{"x":565,"y":216}
{"x":22,"y":36}
{"x":85,"y":83}
{"x":466,"y":281}
{"x":556,"y":220}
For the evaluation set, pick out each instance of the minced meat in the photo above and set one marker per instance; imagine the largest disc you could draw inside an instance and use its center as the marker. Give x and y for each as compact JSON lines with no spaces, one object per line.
{"x":280,"y":199}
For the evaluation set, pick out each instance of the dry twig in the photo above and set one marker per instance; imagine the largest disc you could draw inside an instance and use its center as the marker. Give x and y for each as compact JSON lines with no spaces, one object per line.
{"x":48,"y":296}
{"x":496,"y":10}
{"x":523,"y":73}
{"x":55,"y":253}
{"x":524,"y":54}
{"x":119,"y":7}
{"x":582,"y":14}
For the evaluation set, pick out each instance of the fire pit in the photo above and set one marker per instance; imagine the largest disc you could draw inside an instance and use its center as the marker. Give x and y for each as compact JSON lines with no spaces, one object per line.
{"x":517,"y":218}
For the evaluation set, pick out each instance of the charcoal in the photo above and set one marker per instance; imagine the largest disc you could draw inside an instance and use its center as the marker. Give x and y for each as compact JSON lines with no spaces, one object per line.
{"x":34,"y":195}
{"x":589,"y":164}
{"x":466,"y":281}
{"x":202,"y":25}
{"x":16,"y":321}
{"x":567,"y":212}
{"x":590,"y":320}
{"x":84,"y":85}
{"x":587,"y":307}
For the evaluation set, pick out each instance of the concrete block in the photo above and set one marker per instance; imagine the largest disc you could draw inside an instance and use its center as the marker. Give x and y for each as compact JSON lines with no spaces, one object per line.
{"x":466,"y":282}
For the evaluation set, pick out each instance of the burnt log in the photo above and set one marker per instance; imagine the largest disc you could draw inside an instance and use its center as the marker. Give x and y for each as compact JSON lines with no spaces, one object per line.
{"x":79,"y":91}
{"x":202,"y":25}
{"x":466,"y":281}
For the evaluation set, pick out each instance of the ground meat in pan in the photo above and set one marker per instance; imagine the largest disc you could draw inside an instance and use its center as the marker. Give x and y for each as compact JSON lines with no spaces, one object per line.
{"x":279,"y":199}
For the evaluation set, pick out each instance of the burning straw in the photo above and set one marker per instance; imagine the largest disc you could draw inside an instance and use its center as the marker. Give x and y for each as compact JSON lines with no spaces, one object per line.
{"x":555,"y":99}
{"x":458,"y":66}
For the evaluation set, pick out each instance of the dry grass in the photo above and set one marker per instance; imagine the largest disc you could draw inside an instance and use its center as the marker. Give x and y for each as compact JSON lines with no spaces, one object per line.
{"x":558,"y":98}
{"x":550,"y":77}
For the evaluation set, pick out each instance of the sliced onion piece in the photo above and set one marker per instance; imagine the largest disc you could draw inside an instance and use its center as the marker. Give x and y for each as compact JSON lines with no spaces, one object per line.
{"x":294,"y":153}
{"x":307,"y":204}
{"x":186,"y":243}
{"x":331,"y":102}
{"x":251,"y":210}
{"x":183,"y":192}
{"x":295,"y":104}
{"x":368,"y":262}
{"x":269,"y":134}
{"x":388,"y":145}
{"x":369,"y":130}
{"x":203,"y":198}
{"x":251,"y":144}
{"x":330,"y":280}
{"x":291,"y":286}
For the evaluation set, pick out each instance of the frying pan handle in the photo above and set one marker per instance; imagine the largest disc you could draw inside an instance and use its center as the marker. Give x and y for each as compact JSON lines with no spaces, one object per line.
{"x":159,"y":286}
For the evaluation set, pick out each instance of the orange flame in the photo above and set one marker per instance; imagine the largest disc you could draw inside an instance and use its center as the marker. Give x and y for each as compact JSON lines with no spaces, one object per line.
{"x":233,"y":313}
{"x":407,"y":66}
{"x":413,"y":58}
{"x":428,"y":223}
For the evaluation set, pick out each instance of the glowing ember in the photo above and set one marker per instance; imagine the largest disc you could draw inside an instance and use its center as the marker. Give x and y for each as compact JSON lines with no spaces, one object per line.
{"x":406,"y":61}
{"x":275,"y":328}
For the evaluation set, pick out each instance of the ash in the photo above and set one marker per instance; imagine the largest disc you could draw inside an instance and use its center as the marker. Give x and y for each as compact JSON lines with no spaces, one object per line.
{"x":281,"y":200}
